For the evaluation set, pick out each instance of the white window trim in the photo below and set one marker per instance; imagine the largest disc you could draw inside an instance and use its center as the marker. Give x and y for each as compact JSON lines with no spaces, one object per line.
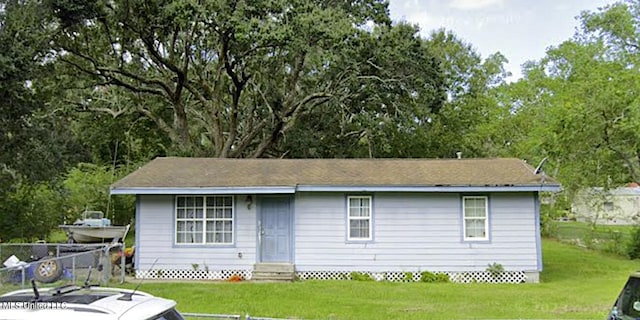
{"x":350,"y":218}
{"x":486,"y":219}
{"x":204,"y":221}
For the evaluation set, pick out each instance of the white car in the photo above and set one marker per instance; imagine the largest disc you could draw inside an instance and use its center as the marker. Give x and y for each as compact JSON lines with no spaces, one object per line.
{"x":87,"y":302}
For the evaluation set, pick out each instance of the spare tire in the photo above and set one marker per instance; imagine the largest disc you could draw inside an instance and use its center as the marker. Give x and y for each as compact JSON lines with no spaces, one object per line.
{"x":47,"y":271}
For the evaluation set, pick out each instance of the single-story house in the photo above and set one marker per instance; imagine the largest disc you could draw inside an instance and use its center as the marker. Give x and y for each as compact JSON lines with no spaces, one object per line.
{"x":619,"y":206}
{"x":212,"y":218}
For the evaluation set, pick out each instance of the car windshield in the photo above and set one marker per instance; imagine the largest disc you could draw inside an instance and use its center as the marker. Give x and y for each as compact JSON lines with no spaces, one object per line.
{"x":628,"y":304}
{"x":93,"y":215}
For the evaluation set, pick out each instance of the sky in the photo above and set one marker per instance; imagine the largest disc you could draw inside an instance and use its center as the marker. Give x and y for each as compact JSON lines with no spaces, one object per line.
{"x":521,"y":30}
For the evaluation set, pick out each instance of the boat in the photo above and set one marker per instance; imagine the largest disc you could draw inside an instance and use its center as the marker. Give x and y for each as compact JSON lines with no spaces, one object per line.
{"x":94,"y":227}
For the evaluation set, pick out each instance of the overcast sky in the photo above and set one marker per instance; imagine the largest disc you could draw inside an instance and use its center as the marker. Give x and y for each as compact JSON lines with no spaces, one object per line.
{"x":519,"y":29}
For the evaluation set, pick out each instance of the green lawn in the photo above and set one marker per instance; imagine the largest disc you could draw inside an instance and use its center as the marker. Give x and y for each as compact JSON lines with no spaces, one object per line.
{"x":576,"y":284}
{"x":578,"y":230}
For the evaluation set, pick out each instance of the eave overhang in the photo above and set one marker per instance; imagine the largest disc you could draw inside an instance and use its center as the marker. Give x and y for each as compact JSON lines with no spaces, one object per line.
{"x":328,"y":188}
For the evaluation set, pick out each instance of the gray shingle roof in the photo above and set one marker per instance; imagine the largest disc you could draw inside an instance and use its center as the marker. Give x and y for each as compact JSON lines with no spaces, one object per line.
{"x":174,"y":172}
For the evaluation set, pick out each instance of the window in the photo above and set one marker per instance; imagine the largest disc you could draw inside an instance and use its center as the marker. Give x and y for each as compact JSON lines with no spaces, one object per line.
{"x":608,"y":206}
{"x":359,"y":217}
{"x":475,"y":218}
{"x":204,"y":220}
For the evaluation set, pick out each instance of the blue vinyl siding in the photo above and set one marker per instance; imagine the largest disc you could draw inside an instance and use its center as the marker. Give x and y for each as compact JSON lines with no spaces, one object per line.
{"x":155,"y":228}
{"x":412,"y":232}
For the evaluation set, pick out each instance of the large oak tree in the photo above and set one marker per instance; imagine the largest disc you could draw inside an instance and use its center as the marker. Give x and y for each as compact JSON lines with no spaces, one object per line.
{"x":232,"y":78}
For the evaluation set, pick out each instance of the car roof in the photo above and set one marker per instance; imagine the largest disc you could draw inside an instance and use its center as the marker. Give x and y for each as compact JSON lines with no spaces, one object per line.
{"x":73,"y":303}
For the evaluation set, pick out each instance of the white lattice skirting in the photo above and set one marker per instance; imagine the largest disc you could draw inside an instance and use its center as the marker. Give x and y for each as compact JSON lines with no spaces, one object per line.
{"x":458,"y":277}
{"x":188,"y":274}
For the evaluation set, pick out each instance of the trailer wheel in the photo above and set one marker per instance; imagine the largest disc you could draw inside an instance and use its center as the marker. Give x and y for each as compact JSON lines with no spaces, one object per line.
{"x":48,"y":271}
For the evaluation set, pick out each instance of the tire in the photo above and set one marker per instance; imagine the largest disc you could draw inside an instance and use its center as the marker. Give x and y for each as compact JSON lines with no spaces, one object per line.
{"x":47,"y":271}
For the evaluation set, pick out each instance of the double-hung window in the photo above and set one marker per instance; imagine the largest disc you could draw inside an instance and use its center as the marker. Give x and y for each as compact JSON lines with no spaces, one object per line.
{"x":475,"y":214}
{"x":204,"y":219}
{"x":359,"y":218}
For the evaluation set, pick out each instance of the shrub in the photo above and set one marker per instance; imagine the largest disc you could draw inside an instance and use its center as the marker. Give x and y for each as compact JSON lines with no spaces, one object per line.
{"x":495,"y":269}
{"x":427,"y":276}
{"x":615,"y":244}
{"x":359,"y":276}
{"x":633,"y":248}
{"x":408,"y":276}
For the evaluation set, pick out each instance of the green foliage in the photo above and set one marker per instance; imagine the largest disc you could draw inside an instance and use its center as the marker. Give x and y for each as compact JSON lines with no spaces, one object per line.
{"x":360,"y":276}
{"x":578,"y":105}
{"x":616,"y":243}
{"x":633,"y":248}
{"x":86,"y":187}
{"x":427,"y":276}
{"x":227,"y":79}
{"x":408,"y":276}
{"x":549,"y":215}
{"x":31,"y":212}
{"x":395,"y":87}
{"x":33,"y":143}
{"x":495,"y":269}
{"x":462,"y":125}
{"x":614,"y":239}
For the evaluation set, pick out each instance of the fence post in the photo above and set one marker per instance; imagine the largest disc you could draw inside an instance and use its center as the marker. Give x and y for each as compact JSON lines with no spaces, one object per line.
{"x":73,"y":268}
{"x":106,"y":267}
{"x":123,"y":262}
{"x":22,"y":276}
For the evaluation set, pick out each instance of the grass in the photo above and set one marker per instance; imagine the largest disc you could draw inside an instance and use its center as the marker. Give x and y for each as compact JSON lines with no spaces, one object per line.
{"x":576,"y":284}
{"x":608,"y":238}
{"x":578,"y":230}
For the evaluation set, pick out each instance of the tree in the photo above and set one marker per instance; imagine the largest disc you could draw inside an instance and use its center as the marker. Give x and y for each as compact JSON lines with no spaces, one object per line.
{"x":30,"y":144}
{"x":470,"y":83}
{"x":35,"y":145}
{"x":219,"y":77}
{"x":617,"y":28}
{"x":579,"y":105}
{"x":396,"y":88}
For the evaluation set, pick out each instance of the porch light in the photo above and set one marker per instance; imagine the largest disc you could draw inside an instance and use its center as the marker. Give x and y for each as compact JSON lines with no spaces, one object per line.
{"x":249,"y":201}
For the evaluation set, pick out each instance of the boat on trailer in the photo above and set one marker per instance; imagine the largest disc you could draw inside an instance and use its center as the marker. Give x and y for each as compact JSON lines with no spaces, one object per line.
{"x":94,"y":227}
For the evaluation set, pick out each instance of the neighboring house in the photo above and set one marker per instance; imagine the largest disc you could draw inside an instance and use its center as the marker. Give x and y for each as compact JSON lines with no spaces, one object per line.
{"x":614,"y":206}
{"x":210,"y":218}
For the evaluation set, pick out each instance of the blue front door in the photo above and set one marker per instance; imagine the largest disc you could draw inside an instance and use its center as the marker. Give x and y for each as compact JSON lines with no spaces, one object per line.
{"x":275,"y":229}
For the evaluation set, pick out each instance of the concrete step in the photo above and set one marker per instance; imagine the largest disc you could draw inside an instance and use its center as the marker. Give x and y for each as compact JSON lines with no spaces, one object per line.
{"x":273,"y":272}
{"x":273,"y":277}
{"x":273,"y":267}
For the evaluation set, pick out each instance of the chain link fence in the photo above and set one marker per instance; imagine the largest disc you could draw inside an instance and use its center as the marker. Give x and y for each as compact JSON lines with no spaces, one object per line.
{"x":57,"y":264}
